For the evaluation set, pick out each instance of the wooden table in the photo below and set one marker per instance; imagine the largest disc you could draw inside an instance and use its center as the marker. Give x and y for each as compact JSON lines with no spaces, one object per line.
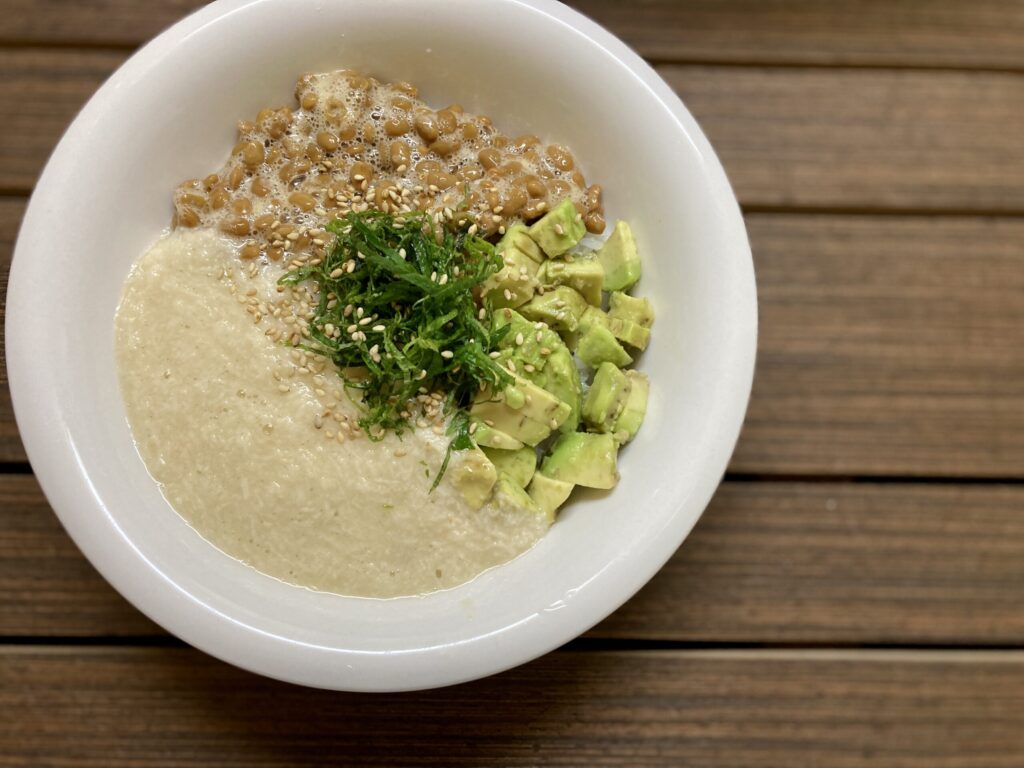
{"x":855,"y":593}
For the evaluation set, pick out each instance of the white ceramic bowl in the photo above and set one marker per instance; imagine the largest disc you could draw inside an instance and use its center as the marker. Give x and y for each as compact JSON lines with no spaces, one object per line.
{"x":534,"y":66}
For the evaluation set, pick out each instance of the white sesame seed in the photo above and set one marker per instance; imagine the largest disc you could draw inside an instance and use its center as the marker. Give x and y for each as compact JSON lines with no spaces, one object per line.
{"x":443,"y":280}
{"x":472,"y":427}
{"x":529,"y":368}
{"x":512,"y":366}
{"x":366,"y":321}
{"x":378,"y":328}
{"x":447,"y":354}
{"x":337,"y":272}
{"x":519,"y":339}
{"x":482,"y":314}
{"x":508,"y":295}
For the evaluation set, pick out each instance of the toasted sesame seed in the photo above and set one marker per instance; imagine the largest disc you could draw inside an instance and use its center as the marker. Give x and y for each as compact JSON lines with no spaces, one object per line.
{"x":337,"y":272}
{"x":539,"y":336}
{"x":544,"y":351}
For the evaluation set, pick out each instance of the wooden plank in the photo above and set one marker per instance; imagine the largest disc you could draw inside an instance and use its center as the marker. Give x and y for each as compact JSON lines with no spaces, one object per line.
{"x":769,"y":562}
{"x":175,"y":707}
{"x":862,"y":139}
{"x":842,"y":563}
{"x":986,"y":33}
{"x":11,"y":210}
{"x":788,"y":137}
{"x":40,"y":93}
{"x":889,"y":345}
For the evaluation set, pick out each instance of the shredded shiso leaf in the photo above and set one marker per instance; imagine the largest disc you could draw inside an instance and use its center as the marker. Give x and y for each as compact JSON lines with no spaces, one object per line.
{"x":397,"y":316}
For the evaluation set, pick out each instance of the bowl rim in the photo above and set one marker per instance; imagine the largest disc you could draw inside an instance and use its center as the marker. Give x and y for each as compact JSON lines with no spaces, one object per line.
{"x":65,"y":482}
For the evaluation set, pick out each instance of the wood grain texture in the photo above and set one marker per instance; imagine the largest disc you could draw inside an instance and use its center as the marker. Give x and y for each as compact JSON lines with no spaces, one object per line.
{"x":862,"y":139}
{"x":788,"y":137}
{"x":40,"y":92}
{"x":985,"y":33}
{"x":800,"y":563}
{"x":175,"y":707}
{"x":11,"y":211}
{"x":888,"y":345}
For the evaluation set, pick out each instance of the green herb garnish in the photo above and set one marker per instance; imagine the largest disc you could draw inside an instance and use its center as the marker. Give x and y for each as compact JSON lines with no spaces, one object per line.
{"x":397,"y":316}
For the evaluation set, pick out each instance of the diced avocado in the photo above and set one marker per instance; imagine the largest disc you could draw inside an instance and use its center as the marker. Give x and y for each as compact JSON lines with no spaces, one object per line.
{"x":508,"y":493}
{"x":549,"y":494}
{"x":511,"y":285}
{"x":585,"y":275}
{"x":474,"y":477}
{"x":619,"y":258}
{"x":634,"y":409}
{"x":523,"y":411}
{"x":561,"y":378}
{"x":571,"y":339}
{"x":490,"y":437}
{"x":583,"y":458}
{"x":558,"y":230}
{"x":605,"y":398}
{"x":534,"y":340}
{"x":518,"y":236}
{"x":629,"y":332}
{"x":518,"y":465}
{"x":598,"y":345}
{"x":636,"y":310}
{"x":593,"y":316}
{"x":624,"y":330}
{"x":561,"y":308}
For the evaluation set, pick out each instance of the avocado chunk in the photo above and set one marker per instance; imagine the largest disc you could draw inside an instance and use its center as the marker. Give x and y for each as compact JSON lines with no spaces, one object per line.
{"x":634,"y":409}
{"x":523,"y":411}
{"x":622,"y":306}
{"x":474,"y":477}
{"x":508,"y":493}
{"x":605,"y":398}
{"x":561,"y":378}
{"x":598,"y":345}
{"x":584,"y":275}
{"x":561,"y":308}
{"x":558,"y":230}
{"x":518,"y":465}
{"x":624,"y":330}
{"x":541,"y":358}
{"x":629,"y":332}
{"x":619,"y":258}
{"x":518,"y":236}
{"x":490,"y":437}
{"x":548,"y":494}
{"x":583,"y":458}
{"x":537,"y":340}
{"x":513,"y":284}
